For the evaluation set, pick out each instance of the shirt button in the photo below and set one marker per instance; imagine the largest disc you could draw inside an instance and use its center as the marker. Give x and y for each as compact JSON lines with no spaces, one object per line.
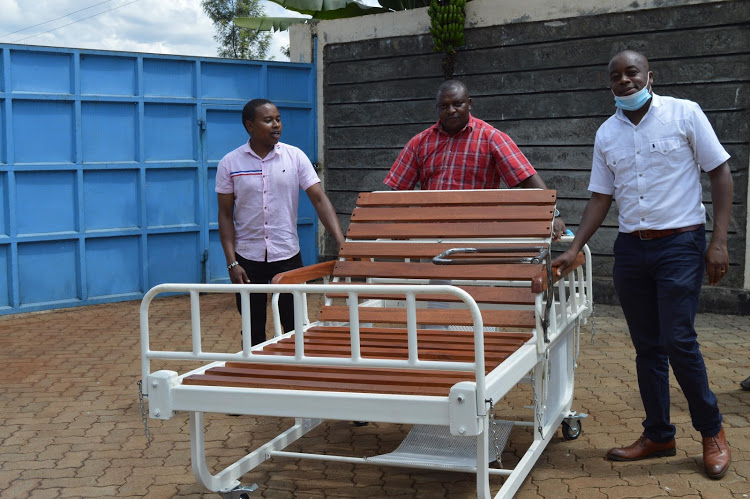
{"x":638,"y":151}
{"x":641,"y":197}
{"x":640,"y":174}
{"x":643,"y":219}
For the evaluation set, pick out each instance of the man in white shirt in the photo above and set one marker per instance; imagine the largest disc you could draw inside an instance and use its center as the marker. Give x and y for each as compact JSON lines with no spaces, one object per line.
{"x":648,"y":156}
{"x":257,"y":187}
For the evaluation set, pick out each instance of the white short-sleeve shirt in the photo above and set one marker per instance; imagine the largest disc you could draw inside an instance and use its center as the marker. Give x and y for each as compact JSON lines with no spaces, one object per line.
{"x":266,"y":197}
{"x":653,"y":168}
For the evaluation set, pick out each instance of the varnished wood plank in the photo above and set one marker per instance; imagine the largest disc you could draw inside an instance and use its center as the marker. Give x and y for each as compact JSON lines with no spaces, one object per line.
{"x":413,"y":270}
{"x":487,"y":295}
{"x":433,"y":316}
{"x":452,"y":213}
{"x":347,"y":370}
{"x":465,"y":197}
{"x":283,"y":384}
{"x":386,"y":334}
{"x":344,"y":345}
{"x":380,"y":378}
{"x":445,"y":230}
{"x":440,"y":342}
{"x":400,"y":250}
{"x":304,"y":274}
{"x":383,"y":353}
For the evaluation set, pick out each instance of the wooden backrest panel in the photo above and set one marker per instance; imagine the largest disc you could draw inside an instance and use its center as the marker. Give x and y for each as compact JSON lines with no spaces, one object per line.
{"x":461,"y":213}
{"x":449,"y":230}
{"x":473,"y":214}
{"x":402,"y":250}
{"x":445,"y":198}
{"x":428,"y":270}
{"x":488,"y":295}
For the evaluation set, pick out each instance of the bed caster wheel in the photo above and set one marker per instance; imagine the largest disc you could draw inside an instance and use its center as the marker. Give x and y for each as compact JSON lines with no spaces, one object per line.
{"x":571,"y":431}
{"x":241,"y":492}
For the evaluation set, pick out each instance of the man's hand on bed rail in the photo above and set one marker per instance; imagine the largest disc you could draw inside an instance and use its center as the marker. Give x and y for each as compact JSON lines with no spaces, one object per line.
{"x":558,"y":228}
{"x":539,"y":281}
{"x":564,"y":263}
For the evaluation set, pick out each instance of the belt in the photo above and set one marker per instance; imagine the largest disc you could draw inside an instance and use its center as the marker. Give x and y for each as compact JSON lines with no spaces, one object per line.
{"x":657,"y":233}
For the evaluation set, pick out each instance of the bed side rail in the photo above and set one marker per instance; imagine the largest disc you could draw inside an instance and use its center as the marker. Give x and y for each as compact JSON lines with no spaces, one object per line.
{"x":299,"y":293}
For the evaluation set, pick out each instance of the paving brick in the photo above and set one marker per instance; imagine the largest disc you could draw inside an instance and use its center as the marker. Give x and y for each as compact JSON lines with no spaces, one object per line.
{"x":71,"y":427}
{"x":89,"y":492}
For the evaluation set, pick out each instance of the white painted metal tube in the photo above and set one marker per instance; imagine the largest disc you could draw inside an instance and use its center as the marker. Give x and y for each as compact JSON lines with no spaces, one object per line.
{"x":277,"y":330}
{"x":364,"y":460}
{"x":353,"y":304}
{"x":195,"y":321}
{"x":411,"y":328}
{"x":246,"y":311}
{"x":245,"y":289}
{"x":299,"y":337}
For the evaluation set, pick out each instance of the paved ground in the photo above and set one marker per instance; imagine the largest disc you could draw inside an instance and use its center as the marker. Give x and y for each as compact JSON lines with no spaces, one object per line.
{"x":70,"y":423}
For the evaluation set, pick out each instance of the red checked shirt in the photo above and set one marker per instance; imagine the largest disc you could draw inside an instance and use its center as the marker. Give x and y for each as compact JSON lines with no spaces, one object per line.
{"x":478,"y":157}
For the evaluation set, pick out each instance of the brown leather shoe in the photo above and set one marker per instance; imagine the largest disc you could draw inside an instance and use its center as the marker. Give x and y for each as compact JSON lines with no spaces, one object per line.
{"x":716,"y":457}
{"x":643,"y":448}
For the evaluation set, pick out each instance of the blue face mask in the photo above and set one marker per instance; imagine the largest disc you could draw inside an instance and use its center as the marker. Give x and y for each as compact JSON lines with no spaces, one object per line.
{"x":633,"y":102}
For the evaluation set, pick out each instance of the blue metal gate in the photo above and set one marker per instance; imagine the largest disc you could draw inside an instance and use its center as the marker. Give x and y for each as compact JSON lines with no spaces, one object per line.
{"x":107,"y":166}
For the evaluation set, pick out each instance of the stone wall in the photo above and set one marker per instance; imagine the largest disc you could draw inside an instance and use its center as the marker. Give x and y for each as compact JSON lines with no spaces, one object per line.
{"x":544,"y":83}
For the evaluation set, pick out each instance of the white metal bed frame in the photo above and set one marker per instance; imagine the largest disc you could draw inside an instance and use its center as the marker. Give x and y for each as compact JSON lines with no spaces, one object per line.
{"x":547,"y":365}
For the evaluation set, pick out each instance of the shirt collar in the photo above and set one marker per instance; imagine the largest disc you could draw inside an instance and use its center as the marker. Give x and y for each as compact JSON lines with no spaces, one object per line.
{"x":655,"y":103}
{"x":248,"y":150}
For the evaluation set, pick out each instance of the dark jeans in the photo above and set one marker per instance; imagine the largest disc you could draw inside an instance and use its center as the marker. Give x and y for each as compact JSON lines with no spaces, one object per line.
{"x":262,"y":273}
{"x":658,"y":282}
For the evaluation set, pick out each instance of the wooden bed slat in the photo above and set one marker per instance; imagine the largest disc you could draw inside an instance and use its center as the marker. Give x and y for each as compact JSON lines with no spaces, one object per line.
{"x":443,"y":230}
{"x":453,"y":214}
{"x":489,"y":295}
{"x":374,"y":249}
{"x":475,"y":197}
{"x":346,"y":370}
{"x":395,"y":334}
{"x":432,"y":316}
{"x":381,"y":378}
{"x":285,"y":384}
{"x":415,"y":270}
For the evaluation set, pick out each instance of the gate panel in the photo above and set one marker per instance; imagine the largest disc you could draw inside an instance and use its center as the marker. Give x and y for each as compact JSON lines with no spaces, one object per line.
{"x":107,"y":166}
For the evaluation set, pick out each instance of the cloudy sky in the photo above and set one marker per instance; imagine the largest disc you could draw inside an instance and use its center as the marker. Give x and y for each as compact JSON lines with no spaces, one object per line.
{"x":154,"y":26}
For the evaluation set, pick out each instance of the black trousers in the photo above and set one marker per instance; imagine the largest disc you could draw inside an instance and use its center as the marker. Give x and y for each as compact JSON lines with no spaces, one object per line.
{"x":262,"y":273}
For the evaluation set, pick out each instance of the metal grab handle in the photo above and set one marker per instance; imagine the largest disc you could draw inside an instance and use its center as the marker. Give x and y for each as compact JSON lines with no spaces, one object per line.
{"x":442,"y":259}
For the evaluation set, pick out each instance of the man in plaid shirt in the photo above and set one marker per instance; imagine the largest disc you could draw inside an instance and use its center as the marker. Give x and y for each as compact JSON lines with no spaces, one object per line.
{"x":463,"y":152}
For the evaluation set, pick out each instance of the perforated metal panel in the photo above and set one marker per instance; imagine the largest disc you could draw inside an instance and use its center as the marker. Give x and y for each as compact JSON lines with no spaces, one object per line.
{"x":107,"y":165}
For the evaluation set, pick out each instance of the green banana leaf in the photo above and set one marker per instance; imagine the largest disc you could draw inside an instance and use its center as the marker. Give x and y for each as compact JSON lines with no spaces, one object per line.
{"x":321,"y":10}
{"x":327,"y":9}
{"x":268,"y":23}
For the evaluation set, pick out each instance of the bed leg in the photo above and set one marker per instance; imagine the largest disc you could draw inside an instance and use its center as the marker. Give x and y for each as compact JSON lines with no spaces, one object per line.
{"x":221,"y":483}
{"x":227,"y":480}
{"x":483,"y":461}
